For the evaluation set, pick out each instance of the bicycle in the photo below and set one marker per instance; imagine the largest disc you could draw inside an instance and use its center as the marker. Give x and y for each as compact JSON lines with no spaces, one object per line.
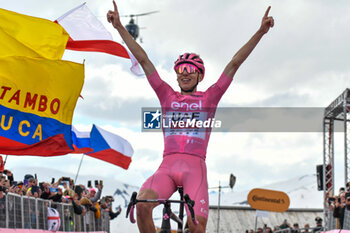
{"x":167,"y":213}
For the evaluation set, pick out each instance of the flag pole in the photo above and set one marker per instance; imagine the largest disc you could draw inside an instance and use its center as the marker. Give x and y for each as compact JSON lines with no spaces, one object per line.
{"x":76,"y":176}
{"x":5,"y":160}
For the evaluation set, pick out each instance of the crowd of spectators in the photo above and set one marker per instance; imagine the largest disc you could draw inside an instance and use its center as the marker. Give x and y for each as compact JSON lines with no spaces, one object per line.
{"x":64,"y":190}
{"x":286,"y":227}
{"x":338,"y":204}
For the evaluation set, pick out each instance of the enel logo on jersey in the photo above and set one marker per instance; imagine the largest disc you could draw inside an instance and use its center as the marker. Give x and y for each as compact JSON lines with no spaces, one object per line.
{"x":189,"y":107}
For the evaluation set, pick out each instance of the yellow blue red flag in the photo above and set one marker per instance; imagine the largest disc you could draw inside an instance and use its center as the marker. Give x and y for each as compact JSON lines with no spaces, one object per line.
{"x":37,"y":100}
{"x":22,"y":35}
{"x":38,"y":91}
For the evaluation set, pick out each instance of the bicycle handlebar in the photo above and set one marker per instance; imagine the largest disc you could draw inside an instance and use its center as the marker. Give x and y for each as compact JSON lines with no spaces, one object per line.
{"x":133,"y":201}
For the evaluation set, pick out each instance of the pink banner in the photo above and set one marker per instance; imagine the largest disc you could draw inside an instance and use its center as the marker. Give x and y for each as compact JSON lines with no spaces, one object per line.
{"x":5,"y":230}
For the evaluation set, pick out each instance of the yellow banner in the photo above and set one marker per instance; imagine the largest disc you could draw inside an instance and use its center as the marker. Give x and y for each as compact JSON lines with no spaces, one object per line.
{"x":269,"y":200}
{"x":42,"y":87}
{"x":22,"y":35}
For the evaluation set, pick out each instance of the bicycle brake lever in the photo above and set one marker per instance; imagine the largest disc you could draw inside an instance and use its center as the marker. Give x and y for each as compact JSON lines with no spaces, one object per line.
{"x":131,"y":205}
{"x":132,"y":219}
{"x":190,"y":203}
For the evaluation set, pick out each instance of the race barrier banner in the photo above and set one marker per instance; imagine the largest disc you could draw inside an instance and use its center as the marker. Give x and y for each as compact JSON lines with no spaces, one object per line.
{"x":6,"y":230}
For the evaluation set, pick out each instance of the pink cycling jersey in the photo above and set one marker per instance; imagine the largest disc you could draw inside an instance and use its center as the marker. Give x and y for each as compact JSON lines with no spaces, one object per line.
{"x":185,"y":148}
{"x":198,"y":106}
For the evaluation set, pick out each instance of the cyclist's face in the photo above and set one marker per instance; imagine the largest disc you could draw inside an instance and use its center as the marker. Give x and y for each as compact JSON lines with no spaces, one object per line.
{"x":187,"y":81}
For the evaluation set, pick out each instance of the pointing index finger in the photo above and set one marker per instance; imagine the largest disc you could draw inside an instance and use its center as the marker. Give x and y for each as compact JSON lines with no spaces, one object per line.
{"x":115,"y":6}
{"x":266,"y":13}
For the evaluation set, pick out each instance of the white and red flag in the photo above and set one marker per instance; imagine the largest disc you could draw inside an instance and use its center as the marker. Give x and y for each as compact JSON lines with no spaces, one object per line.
{"x":88,"y":34}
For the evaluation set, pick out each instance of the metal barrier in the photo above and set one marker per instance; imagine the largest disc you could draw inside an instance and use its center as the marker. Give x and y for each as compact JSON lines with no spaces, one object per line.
{"x":31,"y":213}
{"x":291,"y":230}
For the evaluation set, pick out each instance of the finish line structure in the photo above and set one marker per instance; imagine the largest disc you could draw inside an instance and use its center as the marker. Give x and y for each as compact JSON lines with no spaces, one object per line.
{"x":338,"y":110}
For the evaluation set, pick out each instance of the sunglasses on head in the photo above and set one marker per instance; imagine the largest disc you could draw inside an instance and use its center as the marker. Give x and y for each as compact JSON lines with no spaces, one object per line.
{"x":191,"y":69}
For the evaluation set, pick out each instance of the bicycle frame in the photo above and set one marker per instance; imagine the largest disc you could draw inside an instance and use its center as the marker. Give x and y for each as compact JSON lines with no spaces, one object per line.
{"x":167,"y":213}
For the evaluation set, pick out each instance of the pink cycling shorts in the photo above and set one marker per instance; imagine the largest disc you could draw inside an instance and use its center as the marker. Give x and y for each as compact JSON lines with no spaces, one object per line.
{"x":184,"y":170}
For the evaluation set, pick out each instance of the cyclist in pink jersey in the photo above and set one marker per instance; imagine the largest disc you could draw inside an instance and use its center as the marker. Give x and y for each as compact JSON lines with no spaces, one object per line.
{"x":184,"y":149}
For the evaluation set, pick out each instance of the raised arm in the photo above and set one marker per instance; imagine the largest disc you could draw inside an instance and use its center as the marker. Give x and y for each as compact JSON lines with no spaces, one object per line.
{"x":141,"y":56}
{"x":242,"y":54}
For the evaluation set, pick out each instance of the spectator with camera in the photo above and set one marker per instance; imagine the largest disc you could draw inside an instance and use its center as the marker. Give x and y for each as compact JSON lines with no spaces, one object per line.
{"x":81,"y":201}
{"x":33,"y":189}
{"x":339,"y":209}
{"x":45,"y":190}
{"x":106,"y":205}
{"x":93,"y":196}
{"x":68,"y":188}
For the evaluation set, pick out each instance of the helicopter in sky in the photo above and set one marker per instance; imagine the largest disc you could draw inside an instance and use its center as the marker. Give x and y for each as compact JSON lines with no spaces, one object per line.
{"x":132,"y":27}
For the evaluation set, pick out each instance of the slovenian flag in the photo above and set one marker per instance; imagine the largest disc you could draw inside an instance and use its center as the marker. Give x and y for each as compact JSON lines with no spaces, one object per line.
{"x":103,"y":145}
{"x":87,"y":33}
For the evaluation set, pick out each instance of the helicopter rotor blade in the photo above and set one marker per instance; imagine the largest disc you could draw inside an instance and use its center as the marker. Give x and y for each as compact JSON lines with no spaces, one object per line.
{"x":142,"y":14}
{"x":147,"y":13}
{"x":126,"y":15}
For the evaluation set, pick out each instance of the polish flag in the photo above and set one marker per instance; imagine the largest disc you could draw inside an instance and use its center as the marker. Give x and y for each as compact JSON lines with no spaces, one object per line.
{"x":87,"y":33}
{"x":103,"y":145}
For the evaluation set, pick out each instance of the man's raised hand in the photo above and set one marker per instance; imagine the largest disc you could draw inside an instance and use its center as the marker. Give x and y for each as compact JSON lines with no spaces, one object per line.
{"x":267,"y":21}
{"x":113,"y":16}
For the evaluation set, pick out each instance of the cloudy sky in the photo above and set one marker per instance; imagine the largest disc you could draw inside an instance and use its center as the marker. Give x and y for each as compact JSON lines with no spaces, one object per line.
{"x":302,"y":62}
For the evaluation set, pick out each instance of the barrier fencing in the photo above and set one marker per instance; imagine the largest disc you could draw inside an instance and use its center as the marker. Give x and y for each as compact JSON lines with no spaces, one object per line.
{"x":301,"y":230}
{"x":31,"y":213}
{"x":330,"y":226}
